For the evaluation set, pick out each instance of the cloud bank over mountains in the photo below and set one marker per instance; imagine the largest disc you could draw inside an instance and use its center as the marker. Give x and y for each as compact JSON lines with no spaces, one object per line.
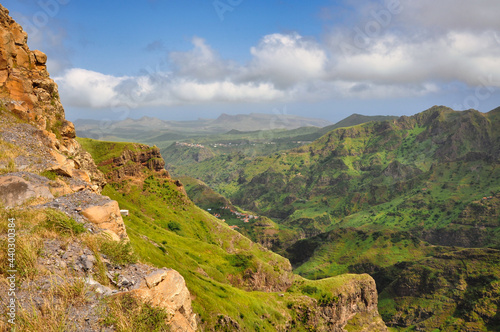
{"x":394,"y":49}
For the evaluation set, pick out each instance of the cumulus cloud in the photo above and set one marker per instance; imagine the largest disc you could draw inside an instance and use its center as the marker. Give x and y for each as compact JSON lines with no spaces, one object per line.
{"x":398,"y":48}
{"x":201,"y":63}
{"x":456,"y":56}
{"x":83,"y":88}
{"x":445,"y":15}
{"x":287,"y":60}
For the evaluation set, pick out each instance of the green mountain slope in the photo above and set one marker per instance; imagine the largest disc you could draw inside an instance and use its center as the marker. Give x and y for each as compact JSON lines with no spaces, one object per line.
{"x":456,"y":291}
{"x":418,"y":173}
{"x":221,"y":158}
{"x":352,"y":120}
{"x":235,"y":283}
{"x":389,"y":199}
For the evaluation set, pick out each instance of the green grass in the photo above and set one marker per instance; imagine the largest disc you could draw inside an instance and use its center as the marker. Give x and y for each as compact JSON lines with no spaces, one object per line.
{"x":459,"y":289}
{"x":167,"y":230}
{"x":119,"y":253}
{"x":348,"y":250}
{"x":126,"y":313}
{"x":103,"y":152}
{"x":59,"y":222}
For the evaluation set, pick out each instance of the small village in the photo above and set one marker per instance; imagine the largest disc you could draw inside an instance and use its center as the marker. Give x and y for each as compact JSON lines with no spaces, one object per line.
{"x":190,"y":145}
{"x":245,"y":217}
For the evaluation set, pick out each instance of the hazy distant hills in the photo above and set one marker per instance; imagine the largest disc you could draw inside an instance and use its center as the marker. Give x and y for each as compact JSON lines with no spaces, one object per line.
{"x":147,"y":127}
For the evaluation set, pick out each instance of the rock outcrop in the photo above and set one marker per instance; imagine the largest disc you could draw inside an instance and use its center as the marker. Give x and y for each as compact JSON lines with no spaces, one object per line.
{"x":167,"y":289}
{"x":27,"y":91}
{"x":26,"y":88}
{"x":107,"y":217}
{"x":131,"y":162}
{"x":353,"y":304}
{"x":15,"y":191}
{"x":45,"y":167}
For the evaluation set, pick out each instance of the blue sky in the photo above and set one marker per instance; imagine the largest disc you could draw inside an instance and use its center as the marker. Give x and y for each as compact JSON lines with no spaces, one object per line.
{"x":187,"y":59}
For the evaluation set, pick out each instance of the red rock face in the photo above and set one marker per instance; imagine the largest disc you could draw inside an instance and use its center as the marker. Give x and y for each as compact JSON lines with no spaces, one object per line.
{"x":27,"y":91}
{"x":25,"y":86}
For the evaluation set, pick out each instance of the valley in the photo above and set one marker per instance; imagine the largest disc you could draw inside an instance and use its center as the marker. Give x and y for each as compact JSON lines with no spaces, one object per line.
{"x":390,"y":198}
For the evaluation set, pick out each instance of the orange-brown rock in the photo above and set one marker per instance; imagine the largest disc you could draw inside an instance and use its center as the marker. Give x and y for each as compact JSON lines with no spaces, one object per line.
{"x":21,"y":69}
{"x":167,"y":289}
{"x":131,"y":163}
{"x":27,"y":91}
{"x":108,"y":218}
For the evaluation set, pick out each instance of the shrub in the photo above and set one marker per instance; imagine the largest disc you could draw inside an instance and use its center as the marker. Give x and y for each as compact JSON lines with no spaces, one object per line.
{"x":51,"y":175}
{"x":62,"y":224}
{"x":126,"y":313}
{"x":240,"y":261}
{"x":174,"y":226}
{"x":119,"y":253}
{"x":309,"y":289}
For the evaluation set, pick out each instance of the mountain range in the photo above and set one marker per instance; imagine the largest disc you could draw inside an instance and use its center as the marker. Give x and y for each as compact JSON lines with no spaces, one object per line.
{"x":146,"y":128}
{"x":243,"y":223}
{"x":391,"y":198}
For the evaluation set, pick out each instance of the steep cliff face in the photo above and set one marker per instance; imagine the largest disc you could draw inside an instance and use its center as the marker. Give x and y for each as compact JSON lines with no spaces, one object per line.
{"x":131,"y":161}
{"x":351,"y":306}
{"x":26,"y":88}
{"x":27,"y":91}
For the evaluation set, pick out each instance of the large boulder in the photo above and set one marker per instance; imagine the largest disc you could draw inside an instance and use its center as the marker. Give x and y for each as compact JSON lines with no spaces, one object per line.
{"x":108,"y":218}
{"x":167,"y":289}
{"x":15,"y":191}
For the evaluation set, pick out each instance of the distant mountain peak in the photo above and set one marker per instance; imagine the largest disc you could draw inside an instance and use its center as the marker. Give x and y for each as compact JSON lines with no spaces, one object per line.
{"x":224,"y":116}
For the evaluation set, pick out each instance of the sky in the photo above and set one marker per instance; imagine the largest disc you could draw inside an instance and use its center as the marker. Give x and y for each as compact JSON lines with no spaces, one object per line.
{"x":186,"y":59}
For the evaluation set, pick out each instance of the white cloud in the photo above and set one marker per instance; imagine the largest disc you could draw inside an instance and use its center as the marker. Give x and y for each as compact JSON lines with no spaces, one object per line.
{"x":201,"y":63}
{"x":456,"y":56}
{"x":423,"y":49}
{"x":85,"y":88}
{"x":287,"y":59}
{"x":446,"y":15}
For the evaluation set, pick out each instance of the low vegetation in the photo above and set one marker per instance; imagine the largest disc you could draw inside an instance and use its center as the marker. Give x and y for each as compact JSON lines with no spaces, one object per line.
{"x":225,"y":272}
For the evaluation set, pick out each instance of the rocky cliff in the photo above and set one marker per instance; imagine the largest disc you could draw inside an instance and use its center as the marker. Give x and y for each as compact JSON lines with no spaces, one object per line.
{"x":27,"y":91}
{"x":131,"y":161}
{"x":73,"y":258}
{"x":352,"y":306}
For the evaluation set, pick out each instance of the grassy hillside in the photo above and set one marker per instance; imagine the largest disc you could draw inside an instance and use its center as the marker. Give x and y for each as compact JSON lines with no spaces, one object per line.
{"x":384,"y":198}
{"x":419,"y":173}
{"x":235,"y":283}
{"x":352,"y":120}
{"x":350,"y":251}
{"x":456,"y":291}
{"x":222,"y":157}
{"x":261,"y":230}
